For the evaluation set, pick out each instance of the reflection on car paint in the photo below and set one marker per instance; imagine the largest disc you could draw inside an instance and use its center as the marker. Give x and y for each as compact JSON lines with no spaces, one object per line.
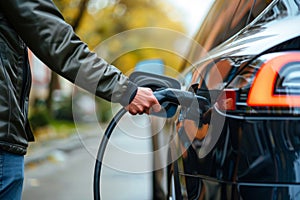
{"x":244,"y":151}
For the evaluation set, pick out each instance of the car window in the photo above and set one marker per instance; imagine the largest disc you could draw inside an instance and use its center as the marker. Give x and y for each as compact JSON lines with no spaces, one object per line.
{"x":222,"y":21}
{"x":246,"y":12}
{"x":213,"y":75}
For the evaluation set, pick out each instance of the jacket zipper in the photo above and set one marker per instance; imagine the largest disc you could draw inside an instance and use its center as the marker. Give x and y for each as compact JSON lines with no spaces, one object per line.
{"x":24,"y":82}
{"x":24,"y":94}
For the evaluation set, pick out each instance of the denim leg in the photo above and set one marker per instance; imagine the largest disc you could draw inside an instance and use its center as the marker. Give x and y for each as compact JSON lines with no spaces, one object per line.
{"x":11,"y":176}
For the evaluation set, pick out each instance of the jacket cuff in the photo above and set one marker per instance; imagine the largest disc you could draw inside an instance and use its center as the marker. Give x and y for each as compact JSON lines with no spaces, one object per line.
{"x":129,"y":94}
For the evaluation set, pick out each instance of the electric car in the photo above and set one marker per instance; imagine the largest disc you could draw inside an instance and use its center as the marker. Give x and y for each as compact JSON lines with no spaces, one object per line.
{"x":246,"y":143}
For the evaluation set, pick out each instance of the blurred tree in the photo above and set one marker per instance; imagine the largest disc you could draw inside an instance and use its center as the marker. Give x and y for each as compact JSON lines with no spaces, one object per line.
{"x":74,"y":17}
{"x":102,"y":21}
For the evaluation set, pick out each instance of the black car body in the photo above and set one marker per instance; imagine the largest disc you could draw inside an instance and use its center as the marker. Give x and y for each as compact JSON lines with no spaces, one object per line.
{"x":247,"y":144}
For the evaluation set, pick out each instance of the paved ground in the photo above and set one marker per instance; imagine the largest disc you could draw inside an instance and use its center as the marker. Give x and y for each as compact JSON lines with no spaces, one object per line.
{"x":67,"y":173}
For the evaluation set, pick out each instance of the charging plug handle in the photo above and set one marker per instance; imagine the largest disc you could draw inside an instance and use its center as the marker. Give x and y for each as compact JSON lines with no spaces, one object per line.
{"x":179,"y":97}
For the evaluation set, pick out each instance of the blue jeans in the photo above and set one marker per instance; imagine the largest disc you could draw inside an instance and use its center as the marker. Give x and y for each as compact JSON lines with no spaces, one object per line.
{"x":11,"y":176}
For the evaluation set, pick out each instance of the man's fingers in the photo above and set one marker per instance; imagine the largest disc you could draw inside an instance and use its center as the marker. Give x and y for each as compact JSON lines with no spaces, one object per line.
{"x":141,"y":110}
{"x":144,"y":102}
{"x":156,"y":108}
{"x":136,"y":109}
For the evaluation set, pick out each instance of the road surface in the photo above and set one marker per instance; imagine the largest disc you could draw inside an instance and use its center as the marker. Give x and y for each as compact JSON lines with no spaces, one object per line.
{"x":69,"y":176}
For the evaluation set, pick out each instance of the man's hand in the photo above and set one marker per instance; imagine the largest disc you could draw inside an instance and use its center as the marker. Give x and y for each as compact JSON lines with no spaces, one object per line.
{"x":143,"y":102}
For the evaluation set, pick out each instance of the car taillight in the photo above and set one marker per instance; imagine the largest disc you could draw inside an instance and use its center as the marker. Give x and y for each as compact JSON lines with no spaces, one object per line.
{"x":277,"y":82}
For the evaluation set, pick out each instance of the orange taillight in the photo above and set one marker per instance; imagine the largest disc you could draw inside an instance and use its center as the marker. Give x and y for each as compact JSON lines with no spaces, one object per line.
{"x":263,"y":87}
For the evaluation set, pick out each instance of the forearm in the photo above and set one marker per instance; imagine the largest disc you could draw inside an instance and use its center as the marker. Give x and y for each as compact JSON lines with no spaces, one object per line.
{"x":43,"y":29}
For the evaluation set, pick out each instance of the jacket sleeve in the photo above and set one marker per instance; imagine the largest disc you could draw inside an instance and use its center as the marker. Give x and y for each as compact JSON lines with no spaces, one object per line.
{"x":42,"y":27}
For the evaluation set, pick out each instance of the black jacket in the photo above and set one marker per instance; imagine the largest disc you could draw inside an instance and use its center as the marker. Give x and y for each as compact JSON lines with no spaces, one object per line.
{"x":39,"y":25}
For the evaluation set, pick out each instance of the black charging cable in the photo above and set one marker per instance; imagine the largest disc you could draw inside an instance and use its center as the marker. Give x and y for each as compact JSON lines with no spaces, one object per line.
{"x":101,"y":150}
{"x":173,"y":96}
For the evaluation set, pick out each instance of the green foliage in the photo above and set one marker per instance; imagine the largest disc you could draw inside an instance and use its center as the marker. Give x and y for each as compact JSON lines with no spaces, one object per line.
{"x":39,"y":116}
{"x":104,"y":110}
{"x":63,"y":109}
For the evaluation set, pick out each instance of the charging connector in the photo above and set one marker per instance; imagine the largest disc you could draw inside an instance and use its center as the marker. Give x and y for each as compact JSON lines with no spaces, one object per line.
{"x":182,"y":98}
